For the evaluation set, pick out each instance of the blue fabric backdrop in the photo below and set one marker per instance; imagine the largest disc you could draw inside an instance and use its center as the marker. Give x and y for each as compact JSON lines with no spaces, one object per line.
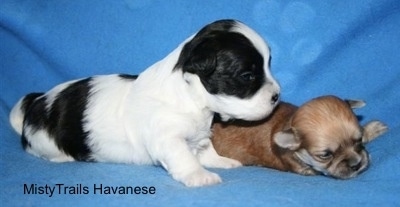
{"x":346,"y":48}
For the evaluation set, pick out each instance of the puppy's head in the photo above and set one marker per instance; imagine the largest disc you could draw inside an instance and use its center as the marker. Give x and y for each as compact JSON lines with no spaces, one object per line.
{"x":325,"y":135}
{"x":231,"y":63}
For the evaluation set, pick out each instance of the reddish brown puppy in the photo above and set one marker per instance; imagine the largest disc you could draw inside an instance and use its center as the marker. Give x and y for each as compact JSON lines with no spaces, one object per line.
{"x":323,"y":136}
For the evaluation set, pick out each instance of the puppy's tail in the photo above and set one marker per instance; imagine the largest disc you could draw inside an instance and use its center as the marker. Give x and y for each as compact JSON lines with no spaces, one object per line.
{"x":17,"y":113}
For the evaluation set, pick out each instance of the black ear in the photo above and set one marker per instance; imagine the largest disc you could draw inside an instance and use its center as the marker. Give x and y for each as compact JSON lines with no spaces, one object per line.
{"x":202,"y":60}
{"x":198,"y":57}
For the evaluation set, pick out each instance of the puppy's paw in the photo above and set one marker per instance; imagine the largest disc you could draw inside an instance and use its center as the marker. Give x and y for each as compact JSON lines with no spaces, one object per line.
{"x":308,"y":172}
{"x":226,"y":163}
{"x":220,"y":162}
{"x":373,"y":129}
{"x":199,"y":178}
{"x":303,"y":169}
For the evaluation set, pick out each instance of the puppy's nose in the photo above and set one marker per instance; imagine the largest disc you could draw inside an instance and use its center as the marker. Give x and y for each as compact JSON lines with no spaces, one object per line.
{"x":355,"y":166}
{"x":275,"y":98}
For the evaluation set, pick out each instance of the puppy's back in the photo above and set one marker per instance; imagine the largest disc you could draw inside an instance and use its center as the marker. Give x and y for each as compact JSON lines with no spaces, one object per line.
{"x":251,"y":142}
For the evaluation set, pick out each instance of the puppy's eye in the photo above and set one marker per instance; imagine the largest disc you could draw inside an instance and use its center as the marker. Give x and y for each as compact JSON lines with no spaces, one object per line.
{"x":326,"y":155}
{"x":248,"y":76}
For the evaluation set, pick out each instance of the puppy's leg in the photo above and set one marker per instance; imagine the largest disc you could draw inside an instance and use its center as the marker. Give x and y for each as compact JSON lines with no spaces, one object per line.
{"x":183,"y":166}
{"x":372,"y":130}
{"x":305,"y":170}
{"x":297,"y":165}
{"x":210,"y":158}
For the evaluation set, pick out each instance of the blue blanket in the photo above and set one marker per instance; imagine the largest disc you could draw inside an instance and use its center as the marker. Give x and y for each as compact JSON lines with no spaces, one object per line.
{"x":346,"y":48}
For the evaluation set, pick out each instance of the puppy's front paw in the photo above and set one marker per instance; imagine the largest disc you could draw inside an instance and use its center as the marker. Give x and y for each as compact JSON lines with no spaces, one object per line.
{"x":307,"y":171}
{"x":373,"y":129}
{"x":222,"y":162}
{"x":199,"y":178}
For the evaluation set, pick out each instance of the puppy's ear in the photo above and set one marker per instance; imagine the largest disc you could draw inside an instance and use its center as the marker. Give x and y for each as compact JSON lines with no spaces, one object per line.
{"x":287,"y":139}
{"x":372,"y":130}
{"x":201,"y":63}
{"x":198,"y":57}
{"x":354,"y":104}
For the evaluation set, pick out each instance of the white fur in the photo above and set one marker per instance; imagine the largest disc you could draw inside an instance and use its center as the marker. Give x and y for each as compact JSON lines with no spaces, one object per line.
{"x":44,"y":147}
{"x":17,"y":117}
{"x":164,"y":121}
{"x":163,"y":117}
{"x":254,"y":108}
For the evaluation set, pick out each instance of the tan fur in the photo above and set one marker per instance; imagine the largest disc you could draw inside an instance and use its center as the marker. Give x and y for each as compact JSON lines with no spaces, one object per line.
{"x":251,"y":142}
{"x":323,"y":124}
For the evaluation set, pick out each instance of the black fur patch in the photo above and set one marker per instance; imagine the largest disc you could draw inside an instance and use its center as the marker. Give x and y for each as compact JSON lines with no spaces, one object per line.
{"x":226,"y":62}
{"x":63,"y":120}
{"x":26,"y":104}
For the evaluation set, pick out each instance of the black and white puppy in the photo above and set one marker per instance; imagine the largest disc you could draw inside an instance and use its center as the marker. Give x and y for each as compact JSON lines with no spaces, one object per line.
{"x":163,"y":116}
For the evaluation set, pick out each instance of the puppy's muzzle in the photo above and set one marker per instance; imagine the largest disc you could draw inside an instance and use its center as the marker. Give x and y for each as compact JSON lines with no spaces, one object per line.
{"x":355,"y":166}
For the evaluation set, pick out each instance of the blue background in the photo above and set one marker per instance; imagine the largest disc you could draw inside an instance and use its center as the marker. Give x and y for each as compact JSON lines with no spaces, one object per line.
{"x":347,"y":48}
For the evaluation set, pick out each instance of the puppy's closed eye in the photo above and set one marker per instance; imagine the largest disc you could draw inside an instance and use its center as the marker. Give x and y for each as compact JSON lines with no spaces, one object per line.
{"x":324,"y":156}
{"x":248,"y":76}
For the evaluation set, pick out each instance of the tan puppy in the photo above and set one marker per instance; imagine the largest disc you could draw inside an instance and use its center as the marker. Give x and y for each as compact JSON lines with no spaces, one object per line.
{"x":321,"y":136}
